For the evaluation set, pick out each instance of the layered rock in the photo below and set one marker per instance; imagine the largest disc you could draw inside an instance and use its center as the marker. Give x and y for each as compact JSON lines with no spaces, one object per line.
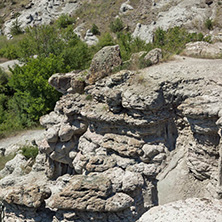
{"x":119,"y":136}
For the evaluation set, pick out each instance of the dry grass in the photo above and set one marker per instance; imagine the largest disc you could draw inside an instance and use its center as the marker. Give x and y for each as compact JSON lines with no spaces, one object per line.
{"x":5,"y":159}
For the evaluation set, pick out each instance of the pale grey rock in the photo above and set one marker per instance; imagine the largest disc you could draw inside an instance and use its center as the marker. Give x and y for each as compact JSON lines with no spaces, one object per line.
{"x":150,"y":151}
{"x":118,"y":202}
{"x":41,"y":12}
{"x":125,"y":7}
{"x":10,"y":64}
{"x":51,"y":119}
{"x":174,"y":13}
{"x":144,"y":32}
{"x":204,"y":49}
{"x":90,"y":39}
{"x":14,"y":166}
{"x":197,"y":210}
{"x":52,"y":134}
{"x":29,"y":196}
{"x":66,"y":132}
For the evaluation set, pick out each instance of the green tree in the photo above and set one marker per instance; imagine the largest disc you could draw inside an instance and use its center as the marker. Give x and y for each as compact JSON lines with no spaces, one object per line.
{"x":16,"y":28}
{"x":33,"y":95}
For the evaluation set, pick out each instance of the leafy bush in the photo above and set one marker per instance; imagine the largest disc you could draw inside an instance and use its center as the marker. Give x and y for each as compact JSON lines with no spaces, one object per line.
{"x":42,"y":41}
{"x":173,"y":40}
{"x":95,"y":30}
{"x":64,"y":21}
{"x":29,"y":151}
{"x":16,"y":28}
{"x":116,"y":25}
{"x":209,"y":24}
{"x":77,"y":56}
{"x":129,"y":45}
{"x":33,"y":95}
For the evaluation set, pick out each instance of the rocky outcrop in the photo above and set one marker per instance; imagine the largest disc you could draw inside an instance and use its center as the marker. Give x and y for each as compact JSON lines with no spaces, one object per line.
{"x":175,"y":13}
{"x":106,"y":150}
{"x":204,"y":50}
{"x":40,"y":12}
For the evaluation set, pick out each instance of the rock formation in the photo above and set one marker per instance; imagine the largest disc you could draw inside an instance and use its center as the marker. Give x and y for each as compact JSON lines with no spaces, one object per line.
{"x":109,"y":145}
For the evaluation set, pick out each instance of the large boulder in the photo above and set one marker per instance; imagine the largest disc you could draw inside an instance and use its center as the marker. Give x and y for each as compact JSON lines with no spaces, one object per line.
{"x":203,"y":49}
{"x":104,"y":62}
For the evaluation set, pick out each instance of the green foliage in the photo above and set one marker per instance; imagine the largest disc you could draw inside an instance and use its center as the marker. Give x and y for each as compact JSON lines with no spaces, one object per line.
{"x":77,"y":56}
{"x":89,"y":97}
{"x":129,"y":45}
{"x":16,"y":28}
{"x":29,"y":151}
{"x":95,"y":30}
{"x":116,"y":25}
{"x":159,"y":37}
{"x":42,"y":41}
{"x":33,"y":95}
{"x":173,"y":40}
{"x":209,"y":24}
{"x":64,"y":21}
{"x":105,"y":40}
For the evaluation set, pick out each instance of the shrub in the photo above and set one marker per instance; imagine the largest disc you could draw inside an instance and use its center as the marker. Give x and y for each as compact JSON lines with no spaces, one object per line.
{"x":29,"y":151}
{"x":33,"y":95}
{"x":209,"y":24}
{"x":16,"y":28}
{"x":159,"y":37}
{"x":105,"y":40}
{"x":129,"y":45}
{"x":64,"y":21}
{"x":116,"y":25}
{"x":42,"y":40}
{"x":95,"y":30}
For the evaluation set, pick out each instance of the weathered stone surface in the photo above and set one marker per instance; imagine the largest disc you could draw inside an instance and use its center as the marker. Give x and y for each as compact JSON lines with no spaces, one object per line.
{"x":14,"y":166}
{"x":83,"y":193}
{"x":185,"y":210}
{"x":90,"y":39}
{"x":104,"y":62}
{"x":154,"y":56}
{"x":127,"y":137}
{"x":125,"y":7}
{"x":29,"y":196}
{"x":204,"y":49}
